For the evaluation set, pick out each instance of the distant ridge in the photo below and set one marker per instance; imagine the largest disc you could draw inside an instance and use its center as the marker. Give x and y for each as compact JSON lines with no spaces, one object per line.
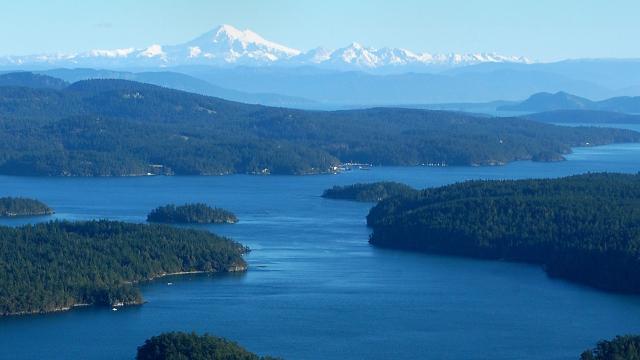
{"x":584,"y":117}
{"x":563,"y":101}
{"x":545,"y":101}
{"x":184,"y":82}
{"x":31,"y":80}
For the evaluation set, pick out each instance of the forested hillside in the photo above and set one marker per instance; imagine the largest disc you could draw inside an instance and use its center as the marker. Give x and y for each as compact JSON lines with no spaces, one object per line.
{"x":57,"y":265}
{"x":583,"y":228}
{"x":117,"y":127}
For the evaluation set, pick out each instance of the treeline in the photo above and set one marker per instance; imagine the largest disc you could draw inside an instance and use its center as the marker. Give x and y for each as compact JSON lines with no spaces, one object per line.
{"x":191,"y":214}
{"x":116,"y":127}
{"x":56,"y":265}
{"x":625,"y":347}
{"x":179,"y":345}
{"x":583,"y":228}
{"x":12,"y":206}
{"x":371,"y":192}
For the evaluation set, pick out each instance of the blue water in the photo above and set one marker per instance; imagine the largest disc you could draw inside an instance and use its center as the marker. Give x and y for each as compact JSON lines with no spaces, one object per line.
{"x":316,"y":289}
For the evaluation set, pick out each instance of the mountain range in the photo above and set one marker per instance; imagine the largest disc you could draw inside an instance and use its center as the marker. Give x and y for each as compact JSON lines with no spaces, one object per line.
{"x":228,"y":46}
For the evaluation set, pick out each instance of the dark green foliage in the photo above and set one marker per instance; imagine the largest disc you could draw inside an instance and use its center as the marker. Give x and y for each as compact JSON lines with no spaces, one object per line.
{"x":10,"y":206}
{"x":368,"y":192}
{"x":183,"y":346}
{"x":584,"y":228}
{"x":621,"y":348}
{"x":116,"y":127}
{"x":53,"y":266}
{"x":191,"y":214}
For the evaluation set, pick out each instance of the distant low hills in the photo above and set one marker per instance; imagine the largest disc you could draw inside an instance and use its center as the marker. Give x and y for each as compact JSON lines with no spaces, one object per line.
{"x":31,"y":80}
{"x":584,"y":117}
{"x":179,"y":81}
{"x":353,"y":88}
{"x":311,"y":87}
{"x":565,"y":101}
{"x":622,"y":76}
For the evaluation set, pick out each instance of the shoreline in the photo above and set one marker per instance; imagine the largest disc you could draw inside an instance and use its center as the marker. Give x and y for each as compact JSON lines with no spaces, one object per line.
{"x":486,"y":163}
{"x":232,"y":269}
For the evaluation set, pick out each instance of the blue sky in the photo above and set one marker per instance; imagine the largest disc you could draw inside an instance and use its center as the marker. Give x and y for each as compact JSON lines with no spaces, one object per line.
{"x":540,"y":29}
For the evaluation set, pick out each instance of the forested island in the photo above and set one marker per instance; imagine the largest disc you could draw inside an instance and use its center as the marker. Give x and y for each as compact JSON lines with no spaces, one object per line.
{"x":16,"y":206}
{"x":58,"y":265}
{"x":625,"y":347}
{"x":582,"y":228}
{"x":191,"y":214}
{"x":180,"y":345}
{"x":371,"y":192}
{"x":124,"y":128}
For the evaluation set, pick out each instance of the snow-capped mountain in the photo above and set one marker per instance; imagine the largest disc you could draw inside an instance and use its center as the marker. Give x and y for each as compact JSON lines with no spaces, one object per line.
{"x":358,"y":56}
{"x":228,"y":46}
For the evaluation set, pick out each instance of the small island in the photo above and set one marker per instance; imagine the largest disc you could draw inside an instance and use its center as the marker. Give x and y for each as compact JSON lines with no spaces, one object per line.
{"x":180,"y":345}
{"x":625,"y":347}
{"x":16,"y":206}
{"x":191,"y":214}
{"x":583,"y":228}
{"x":372,"y":192}
{"x":59,"y":265}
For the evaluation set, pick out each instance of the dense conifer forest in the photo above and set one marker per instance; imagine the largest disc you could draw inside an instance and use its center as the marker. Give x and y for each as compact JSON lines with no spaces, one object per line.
{"x":372,"y":192}
{"x":179,"y":345}
{"x":58,"y":265}
{"x":191,"y":214}
{"x":117,"y":128}
{"x":625,"y":347}
{"x":583,"y":228}
{"x":12,"y":206}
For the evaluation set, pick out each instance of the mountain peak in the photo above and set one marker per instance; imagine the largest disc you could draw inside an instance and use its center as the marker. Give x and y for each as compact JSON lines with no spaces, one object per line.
{"x":227,"y":29}
{"x":228,"y":32}
{"x":230,"y":43}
